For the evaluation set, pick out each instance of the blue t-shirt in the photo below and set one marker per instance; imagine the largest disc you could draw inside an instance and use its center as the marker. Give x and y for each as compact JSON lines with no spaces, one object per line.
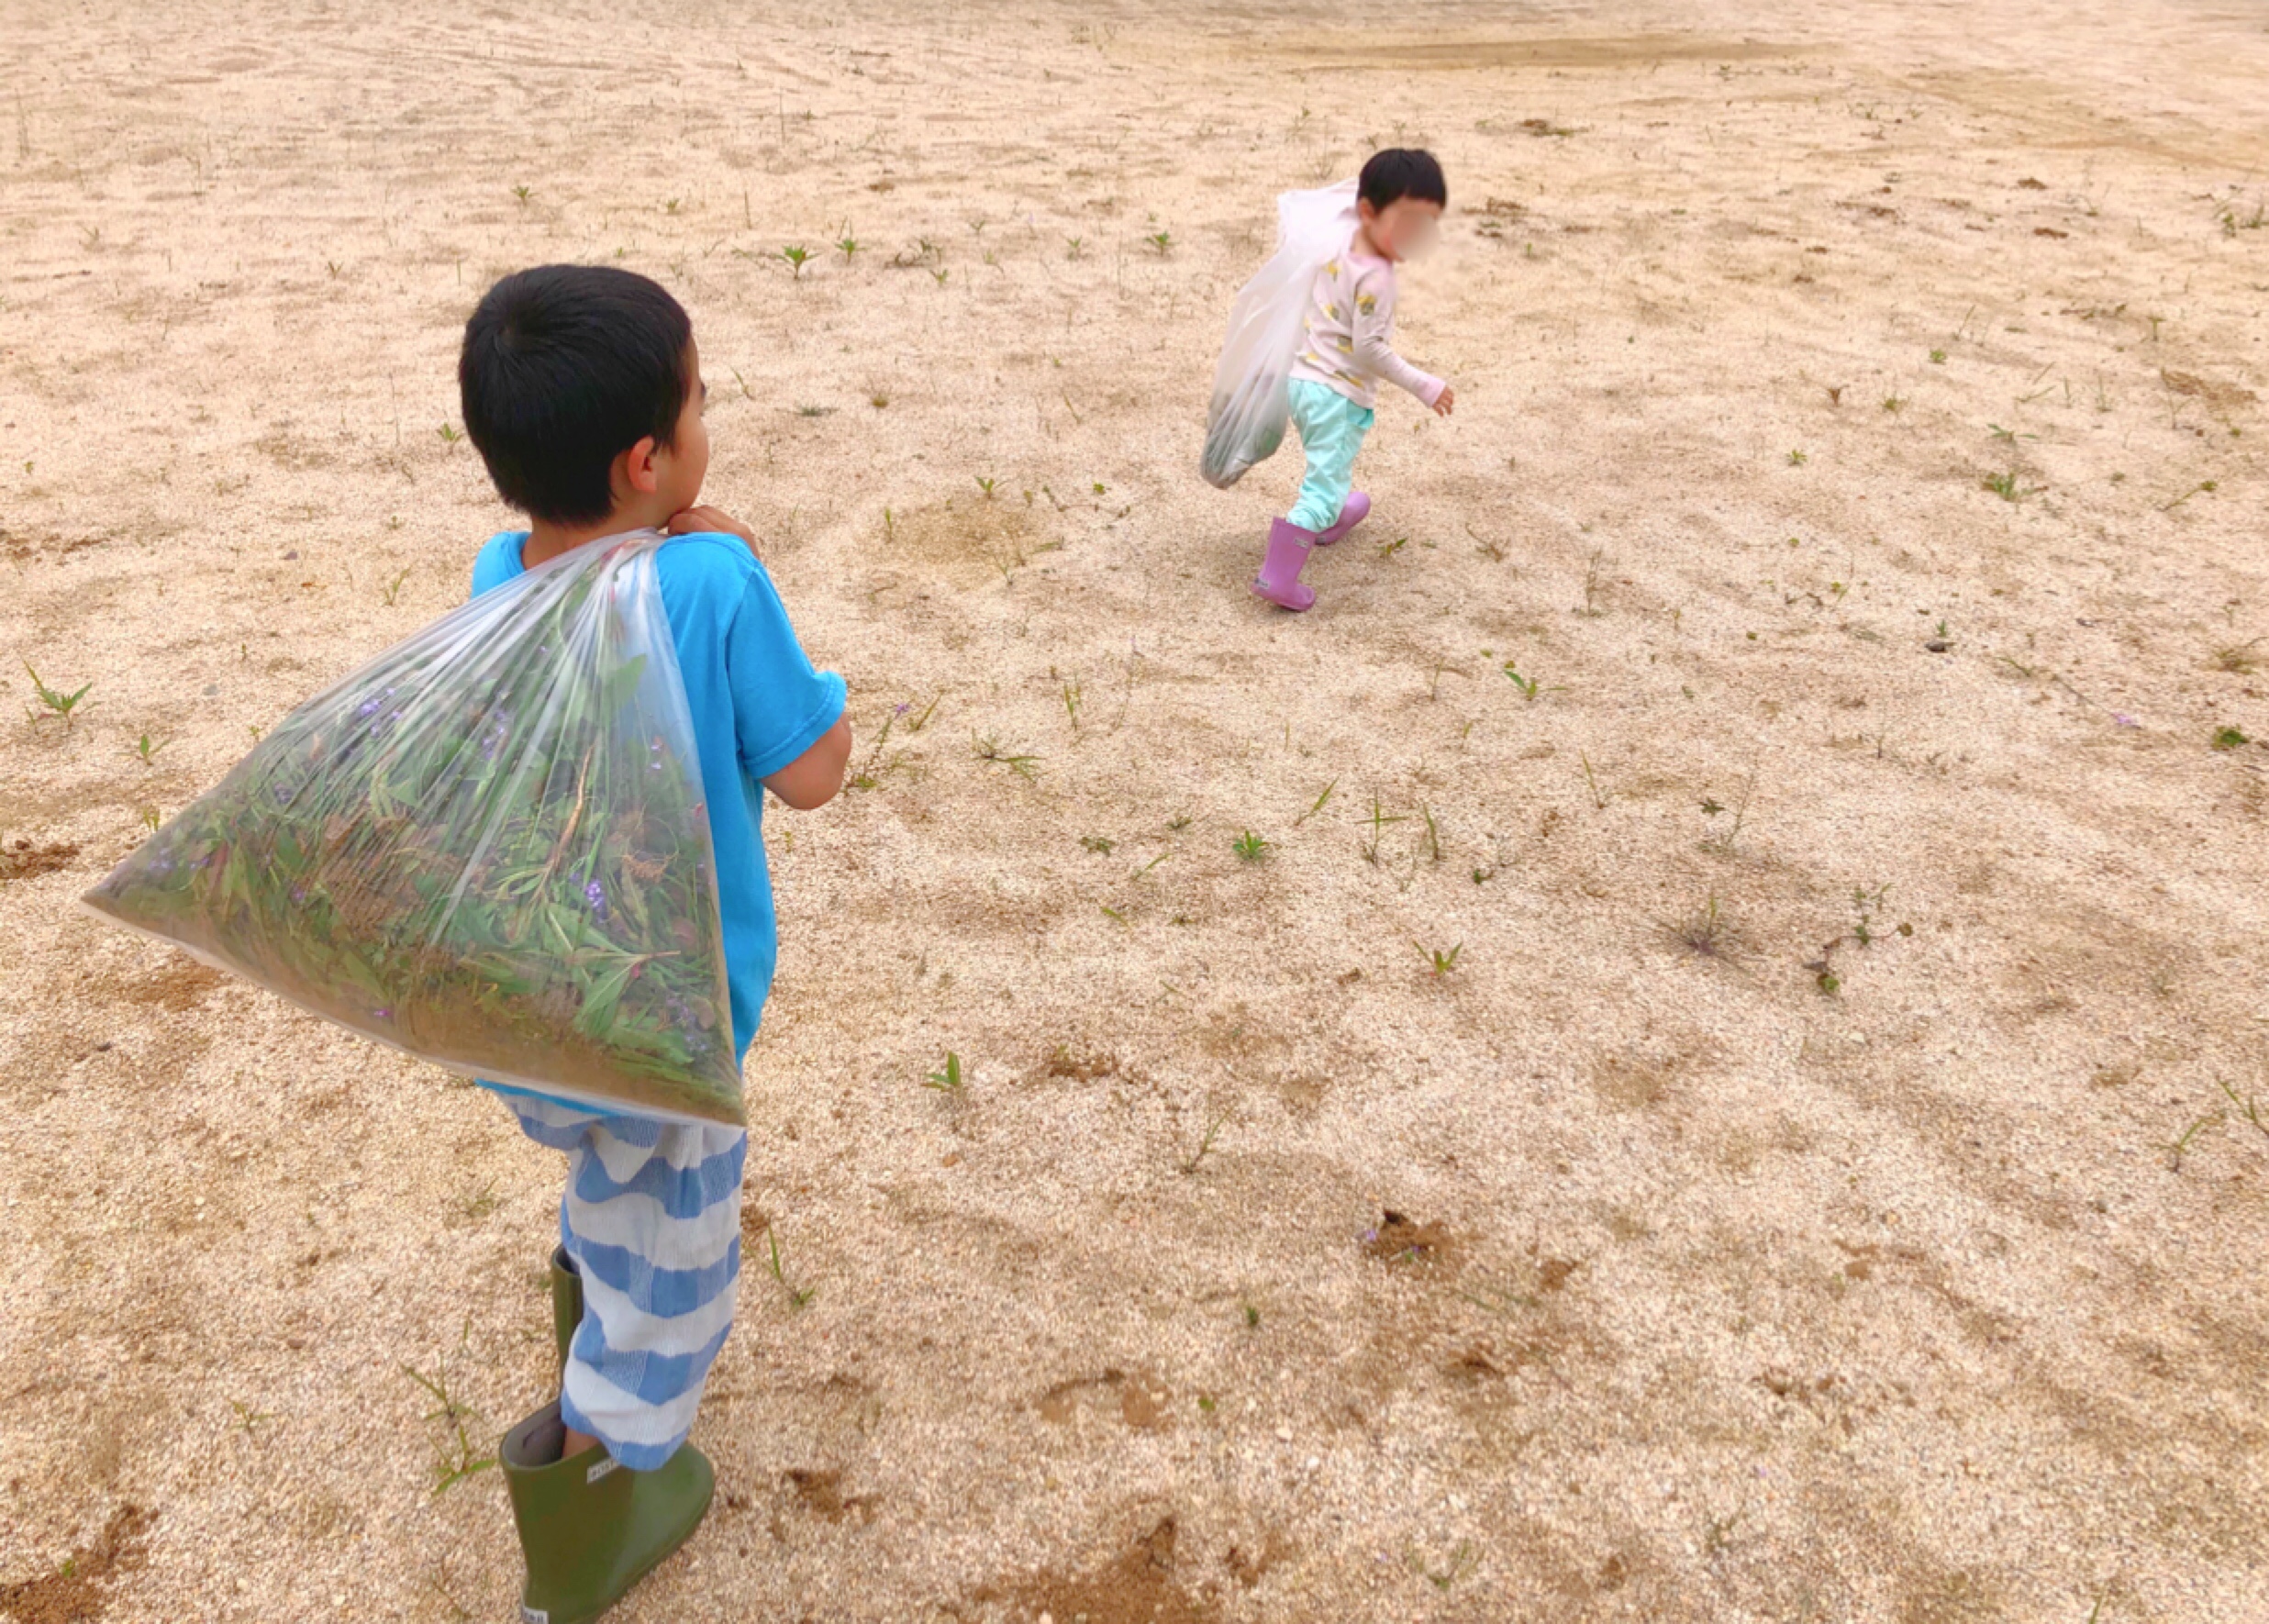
{"x":757,"y":704}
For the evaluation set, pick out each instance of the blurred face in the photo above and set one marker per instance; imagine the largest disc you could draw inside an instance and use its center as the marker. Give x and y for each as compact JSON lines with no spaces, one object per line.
{"x":681,"y":467}
{"x":1405,"y":229}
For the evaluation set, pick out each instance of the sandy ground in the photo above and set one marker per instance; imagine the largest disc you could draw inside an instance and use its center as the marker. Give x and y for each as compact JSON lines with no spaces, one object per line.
{"x":1923,"y":1286}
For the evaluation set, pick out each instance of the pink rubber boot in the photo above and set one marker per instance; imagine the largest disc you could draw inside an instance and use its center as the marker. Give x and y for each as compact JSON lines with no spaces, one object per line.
{"x":1353,"y":512}
{"x":1279,"y":580}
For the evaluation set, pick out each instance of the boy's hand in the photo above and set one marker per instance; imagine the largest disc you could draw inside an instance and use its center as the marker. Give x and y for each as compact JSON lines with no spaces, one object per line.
{"x":711,"y":519}
{"x":1443,"y":404}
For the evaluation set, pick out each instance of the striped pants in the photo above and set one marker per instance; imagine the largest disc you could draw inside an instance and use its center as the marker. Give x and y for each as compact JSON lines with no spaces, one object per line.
{"x":652,"y":1218}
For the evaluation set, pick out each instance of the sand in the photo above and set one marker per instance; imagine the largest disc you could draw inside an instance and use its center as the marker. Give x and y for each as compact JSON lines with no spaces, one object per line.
{"x":1827,"y":1183}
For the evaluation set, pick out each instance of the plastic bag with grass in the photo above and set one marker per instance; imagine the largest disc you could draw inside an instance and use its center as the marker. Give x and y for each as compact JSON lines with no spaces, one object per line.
{"x":488,"y":848}
{"x":1251,"y":402}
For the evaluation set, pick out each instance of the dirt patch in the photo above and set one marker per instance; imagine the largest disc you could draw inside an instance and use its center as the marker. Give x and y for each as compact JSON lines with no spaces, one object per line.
{"x":75,"y":1591}
{"x":821,"y":1494}
{"x":22,"y":860}
{"x":1138,"y":1586}
{"x":2220,"y":395}
{"x":1142,"y":1399}
{"x":180,"y":985}
{"x":1399,"y":1240}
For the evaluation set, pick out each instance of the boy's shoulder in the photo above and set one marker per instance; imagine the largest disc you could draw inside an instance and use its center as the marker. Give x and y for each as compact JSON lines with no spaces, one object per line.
{"x":703,"y":564}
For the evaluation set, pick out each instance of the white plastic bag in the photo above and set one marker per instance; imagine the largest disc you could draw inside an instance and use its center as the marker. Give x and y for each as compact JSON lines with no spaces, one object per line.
{"x":1251,"y":402}
{"x":489,"y":847}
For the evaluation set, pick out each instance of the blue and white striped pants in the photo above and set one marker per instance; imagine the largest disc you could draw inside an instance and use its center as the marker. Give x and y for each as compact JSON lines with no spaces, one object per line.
{"x":651,"y":1218}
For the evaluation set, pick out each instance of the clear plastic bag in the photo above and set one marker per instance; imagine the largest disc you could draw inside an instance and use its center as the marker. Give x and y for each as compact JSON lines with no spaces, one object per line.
{"x":488,"y":848}
{"x":1251,"y":402}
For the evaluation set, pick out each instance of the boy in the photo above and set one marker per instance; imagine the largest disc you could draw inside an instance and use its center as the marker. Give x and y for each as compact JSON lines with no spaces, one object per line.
{"x":1399,"y":200}
{"x":582,"y":390}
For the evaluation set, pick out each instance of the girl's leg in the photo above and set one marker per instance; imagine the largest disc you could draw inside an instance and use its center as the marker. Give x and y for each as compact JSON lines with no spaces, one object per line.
{"x":1331,"y":431}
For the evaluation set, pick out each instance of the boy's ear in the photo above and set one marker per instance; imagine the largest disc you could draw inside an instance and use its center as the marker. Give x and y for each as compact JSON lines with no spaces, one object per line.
{"x":637,"y":470}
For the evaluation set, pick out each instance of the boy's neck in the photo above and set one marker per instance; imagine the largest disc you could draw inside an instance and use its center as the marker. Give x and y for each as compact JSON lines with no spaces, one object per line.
{"x":1368,"y":245}
{"x":547,"y":540}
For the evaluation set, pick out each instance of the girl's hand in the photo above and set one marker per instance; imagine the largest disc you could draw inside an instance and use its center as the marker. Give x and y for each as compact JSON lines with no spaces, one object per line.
{"x":1443,"y":403}
{"x":716,"y":520}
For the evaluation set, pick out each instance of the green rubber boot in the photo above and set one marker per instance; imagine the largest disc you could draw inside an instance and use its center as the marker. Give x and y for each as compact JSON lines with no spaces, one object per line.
{"x":589,"y":1528}
{"x":566,"y":1301}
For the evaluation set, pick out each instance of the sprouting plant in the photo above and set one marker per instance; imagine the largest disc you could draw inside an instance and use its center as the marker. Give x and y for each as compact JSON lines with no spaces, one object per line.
{"x":455,"y":1458}
{"x":2228,"y":739}
{"x":1378,"y":820}
{"x":1252,"y":1317}
{"x":335,"y":268}
{"x":247,"y":1417}
{"x":1443,"y":962}
{"x":1099,"y":844}
{"x":1724,"y":844}
{"x":847,"y":246}
{"x":150,"y":816}
{"x":1161,"y":240}
{"x":1868,"y":904}
{"x":393,"y":588}
{"x":878,"y":398}
{"x":796,"y":1300}
{"x":1189,"y":1164}
{"x":1433,"y":832}
{"x":1599,"y":802}
{"x":1070,"y":704}
{"x":1705,"y":932}
{"x":148,"y":749}
{"x":2204,"y":485}
{"x":940,"y":273}
{"x":1938,"y":358}
{"x":1070,"y":246}
{"x":2003,"y":485}
{"x":1389,"y":548}
{"x":1798,"y":458}
{"x":522,"y":192}
{"x":1249,"y":846}
{"x":451,"y":434}
{"x":920,"y":722}
{"x":58,"y":704}
{"x":949,"y":1081}
{"x":2237,"y":659}
{"x":989,"y":749}
{"x":1178,"y":822}
{"x":1318,"y":805}
{"x":796,"y":254}
{"x":1893,"y":402}
{"x":986,"y":486}
{"x":890,"y":525}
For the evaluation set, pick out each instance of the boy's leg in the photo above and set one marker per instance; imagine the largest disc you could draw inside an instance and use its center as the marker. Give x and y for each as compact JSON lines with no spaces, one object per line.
{"x":651,"y":1220}
{"x":1331,"y":433}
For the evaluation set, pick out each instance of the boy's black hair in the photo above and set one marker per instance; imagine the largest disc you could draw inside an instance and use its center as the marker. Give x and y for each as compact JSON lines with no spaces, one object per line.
{"x":565,"y":367}
{"x":1398,"y":172}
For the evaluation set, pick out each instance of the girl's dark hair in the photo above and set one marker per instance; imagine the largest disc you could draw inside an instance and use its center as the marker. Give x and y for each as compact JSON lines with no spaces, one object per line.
{"x":1399,"y":173}
{"x":565,"y":367}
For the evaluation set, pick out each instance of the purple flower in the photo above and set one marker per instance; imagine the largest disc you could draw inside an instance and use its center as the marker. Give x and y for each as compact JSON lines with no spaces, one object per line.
{"x":386,"y":1014}
{"x":595,"y":894}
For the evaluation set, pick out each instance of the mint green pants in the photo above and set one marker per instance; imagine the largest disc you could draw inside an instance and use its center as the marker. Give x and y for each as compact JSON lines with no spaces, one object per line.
{"x":1331,"y":431}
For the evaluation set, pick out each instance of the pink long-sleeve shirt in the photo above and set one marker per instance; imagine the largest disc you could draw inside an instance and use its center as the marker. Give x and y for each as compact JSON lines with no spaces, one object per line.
{"x":1346,"y":347}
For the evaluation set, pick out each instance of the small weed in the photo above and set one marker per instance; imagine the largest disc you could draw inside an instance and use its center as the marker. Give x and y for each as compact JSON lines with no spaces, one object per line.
{"x":986,"y":486}
{"x":2202,"y":488}
{"x":798,"y":1300}
{"x":1528,"y":685}
{"x":1938,"y":358}
{"x":1894,"y":403}
{"x":455,"y":1458}
{"x":1161,"y":240}
{"x":2247,"y":1108}
{"x":1189,"y":1164}
{"x":1724,"y":845}
{"x":1599,"y":802}
{"x":949,"y":1081}
{"x":920,"y":722}
{"x":148,"y":749}
{"x":1443,"y":962}
{"x":1798,"y":458}
{"x":1070,"y":704}
{"x":878,"y":399}
{"x":1070,"y":246}
{"x":1389,"y":548}
{"x":670,"y":205}
{"x":1463,"y":1559}
{"x":847,"y":246}
{"x":796,"y":254}
{"x":451,"y":434}
{"x":2175,"y":1150}
{"x":989,"y":749}
{"x":393,"y":588}
{"x":1706,"y":933}
{"x":1099,"y":844}
{"x":247,"y":1419}
{"x":56,"y":703}
{"x":2228,"y":739}
{"x":1250,"y":847}
{"x":939,"y":275}
{"x":1178,"y":822}
{"x":1378,"y":820}
{"x":1591,"y":610}
{"x":2004,"y":486}
{"x":2237,"y":659}
{"x":1252,"y":1317}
